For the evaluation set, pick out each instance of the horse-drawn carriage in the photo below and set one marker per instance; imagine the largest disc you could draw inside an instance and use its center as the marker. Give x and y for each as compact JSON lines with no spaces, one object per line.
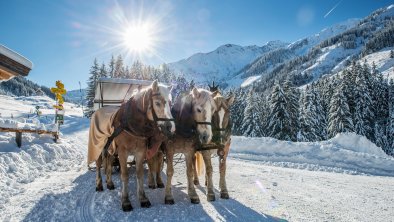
{"x":134,"y":117}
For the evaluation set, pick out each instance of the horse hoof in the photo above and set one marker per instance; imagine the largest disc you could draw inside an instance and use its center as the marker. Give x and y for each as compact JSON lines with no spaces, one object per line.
{"x":160,"y":185}
{"x":145,"y":204}
{"x":99,"y":188}
{"x":196,"y":182}
{"x":152,"y":187}
{"x":169,"y":201}
{"x":195,"y":200}
{"x":127,"y":207}
{"x":211,"y":197}
{"x":224,"y":195}
{"x":110,"y":186}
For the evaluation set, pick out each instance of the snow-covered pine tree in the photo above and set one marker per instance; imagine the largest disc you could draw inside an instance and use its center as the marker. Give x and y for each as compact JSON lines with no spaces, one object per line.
{"x":321,"y":115}
{"x":119,"y":69}
{"x":111,"y":67}
{"x":390,"y":125}
{"x":340,"y":118}
{"x":278,"y":125}
{"x":292,"y":97}
{"x":103,"y":71}
{"x":237,"y":111}
{"x":363,"y":104}
{"x":303,"y":127}
{"x":90,"y":91}
{"x":264,"y":111}
{"x":391,"y":54}
{"x":381,"y":139}
{"x":251,"y":124}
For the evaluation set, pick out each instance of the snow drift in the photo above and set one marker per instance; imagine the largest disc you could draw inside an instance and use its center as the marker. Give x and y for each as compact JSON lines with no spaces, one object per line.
{"x":347,"y":152}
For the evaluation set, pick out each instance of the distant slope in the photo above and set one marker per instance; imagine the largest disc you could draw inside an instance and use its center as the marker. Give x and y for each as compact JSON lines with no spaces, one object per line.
{"x":222,"y":62}
{"x":20,"y":86}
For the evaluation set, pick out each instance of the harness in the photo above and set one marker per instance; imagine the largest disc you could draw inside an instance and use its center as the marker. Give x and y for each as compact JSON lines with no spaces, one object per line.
{"x":124,"y":126}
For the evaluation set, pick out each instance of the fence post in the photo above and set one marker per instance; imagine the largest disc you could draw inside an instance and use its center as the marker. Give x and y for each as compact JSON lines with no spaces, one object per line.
{"x":18,"y":139}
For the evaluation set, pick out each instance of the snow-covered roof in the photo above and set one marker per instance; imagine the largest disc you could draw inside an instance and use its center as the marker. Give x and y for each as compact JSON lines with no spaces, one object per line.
{"x":113,"y":91}
{"x":16,"y":56}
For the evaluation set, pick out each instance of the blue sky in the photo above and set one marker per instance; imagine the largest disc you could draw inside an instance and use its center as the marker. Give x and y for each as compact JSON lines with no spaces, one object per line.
{"x":63,"y":37}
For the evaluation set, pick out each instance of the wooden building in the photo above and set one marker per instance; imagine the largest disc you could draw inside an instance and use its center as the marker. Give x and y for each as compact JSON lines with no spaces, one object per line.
{"x":13,"y":64}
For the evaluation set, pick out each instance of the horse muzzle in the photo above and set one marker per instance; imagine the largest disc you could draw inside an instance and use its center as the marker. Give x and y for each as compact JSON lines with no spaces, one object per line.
{"x":168,"y":129}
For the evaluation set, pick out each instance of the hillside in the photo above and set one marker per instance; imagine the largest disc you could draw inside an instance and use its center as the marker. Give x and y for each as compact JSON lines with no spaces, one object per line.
{"x":222,"y":62}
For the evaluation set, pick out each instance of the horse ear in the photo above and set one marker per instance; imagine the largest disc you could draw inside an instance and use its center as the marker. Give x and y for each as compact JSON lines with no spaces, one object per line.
{"x":230,"y":100}
{"x":214,"y":94}
{"x":195,"y":92}
{"x":155,"y":86}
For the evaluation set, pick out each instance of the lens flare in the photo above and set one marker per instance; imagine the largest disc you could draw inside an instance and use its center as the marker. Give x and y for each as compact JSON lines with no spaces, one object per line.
{"x":138,"y":38}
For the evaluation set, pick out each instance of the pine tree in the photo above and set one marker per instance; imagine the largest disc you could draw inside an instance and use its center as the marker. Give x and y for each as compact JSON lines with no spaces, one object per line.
{"x":111,"y":65}
{"x":390,"y":125}
{"x":363,"y":104}
{"x":237,"y":112}
{"x":278,"y":125}
{"x":90,"y":91}
{"x":340,"y":119}
{"x":321,"y":116}
{"x":391,"y":54}
{"x":292,"y":95}
{"x":103,"y":71}
{"x":119,"y":69}
{"x":252,"y":119}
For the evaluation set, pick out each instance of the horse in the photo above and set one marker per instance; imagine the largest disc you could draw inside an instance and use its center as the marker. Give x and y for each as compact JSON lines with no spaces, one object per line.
{"x":141,"y":125}
{"x":193,"y":114}
{"x":221,"y":125}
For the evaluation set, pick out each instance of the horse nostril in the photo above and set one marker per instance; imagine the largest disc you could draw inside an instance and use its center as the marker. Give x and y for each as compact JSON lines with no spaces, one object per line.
{"x":169,"y":127}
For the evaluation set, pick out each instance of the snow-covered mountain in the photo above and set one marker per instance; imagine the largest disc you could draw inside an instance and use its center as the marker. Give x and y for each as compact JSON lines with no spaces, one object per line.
{"x":355,"y":41}
{"x":327,"y":52}
{"x":222,"y":62}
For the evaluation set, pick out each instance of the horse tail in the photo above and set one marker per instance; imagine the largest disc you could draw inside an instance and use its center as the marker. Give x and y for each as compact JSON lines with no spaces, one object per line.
{"x":199,"y":163}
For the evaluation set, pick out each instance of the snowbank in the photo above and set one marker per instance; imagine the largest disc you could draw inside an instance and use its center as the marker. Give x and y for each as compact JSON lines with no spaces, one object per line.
{"x":349,"y":153}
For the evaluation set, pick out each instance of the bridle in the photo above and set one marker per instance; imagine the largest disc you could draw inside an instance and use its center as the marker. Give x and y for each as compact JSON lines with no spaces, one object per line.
{"x":155,"y":117}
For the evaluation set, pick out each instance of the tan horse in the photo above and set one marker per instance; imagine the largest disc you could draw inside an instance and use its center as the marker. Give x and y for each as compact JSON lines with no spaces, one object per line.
{"x":221,"y":136}
{"x":141,"y":121}
{"x":193,"y":114}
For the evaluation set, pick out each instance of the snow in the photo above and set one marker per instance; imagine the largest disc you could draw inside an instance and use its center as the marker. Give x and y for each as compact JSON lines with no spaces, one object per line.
{"x":15,"y":56}
{"x":267,"y":180}
{"x":383,"y":62}
{"x":349,"y":153}
{"x":221,"y":63}
{"x":250,"y":80}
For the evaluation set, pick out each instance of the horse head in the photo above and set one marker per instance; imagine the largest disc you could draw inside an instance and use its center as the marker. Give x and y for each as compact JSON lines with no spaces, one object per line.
{"x":203,"y":108}
{"x":158,"y":99}
{"x":221,"y":118}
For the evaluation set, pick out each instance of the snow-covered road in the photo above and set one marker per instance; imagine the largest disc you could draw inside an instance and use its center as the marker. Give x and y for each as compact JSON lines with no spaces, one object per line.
{"x":258,"y":193}
{"x":50,"y":182}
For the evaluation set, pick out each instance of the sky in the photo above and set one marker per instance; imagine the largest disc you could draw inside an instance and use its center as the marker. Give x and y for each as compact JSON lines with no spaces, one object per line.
{"x":63,"y":37}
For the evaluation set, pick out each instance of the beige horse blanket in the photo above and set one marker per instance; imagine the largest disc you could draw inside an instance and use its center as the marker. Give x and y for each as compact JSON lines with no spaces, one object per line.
{"x":100,"y":129}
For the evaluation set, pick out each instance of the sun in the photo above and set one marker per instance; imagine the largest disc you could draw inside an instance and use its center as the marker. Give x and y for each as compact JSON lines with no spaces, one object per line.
{"x":138,"y":38}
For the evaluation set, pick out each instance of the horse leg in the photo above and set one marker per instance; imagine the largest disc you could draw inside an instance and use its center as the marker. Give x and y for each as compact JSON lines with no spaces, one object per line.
{"x":222,"y":171}
{"x":108,"y":171}
{"x":159,"y":165}
{"x":99,"y":182}
{"x":169,"y":199}
{"x":139,"y":166}
{"x":208,"y":175}
{"x":124,"y":174}
{"x":189,"y":172}
{"x":151,"y":170}
{"x":195,"y":174}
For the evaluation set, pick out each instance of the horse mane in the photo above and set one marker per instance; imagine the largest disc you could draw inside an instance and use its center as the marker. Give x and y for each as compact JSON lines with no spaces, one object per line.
{"x":132,"y":115}
{"x":182,"y":111}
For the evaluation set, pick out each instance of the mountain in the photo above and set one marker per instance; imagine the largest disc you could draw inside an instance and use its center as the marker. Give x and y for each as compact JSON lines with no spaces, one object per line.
{"x":305,"y":60}
{"x":222,"y":62}
{"x":355,"y":41}
{"x":75,"y":96}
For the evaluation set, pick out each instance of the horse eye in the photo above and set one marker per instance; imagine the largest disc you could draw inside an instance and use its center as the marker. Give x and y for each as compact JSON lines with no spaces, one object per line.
{"x":199,"y":110}
{"x":157,"y":104}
